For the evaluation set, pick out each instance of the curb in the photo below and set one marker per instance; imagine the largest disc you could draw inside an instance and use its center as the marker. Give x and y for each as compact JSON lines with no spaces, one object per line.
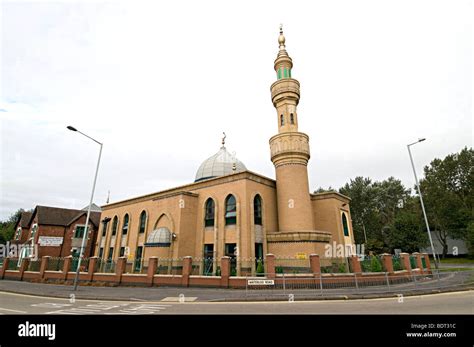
{"x":280,"y":297}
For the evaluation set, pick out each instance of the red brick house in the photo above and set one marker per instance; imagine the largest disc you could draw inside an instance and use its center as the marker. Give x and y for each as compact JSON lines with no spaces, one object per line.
{"x":58,"y":232}
{"x":21,"y":228}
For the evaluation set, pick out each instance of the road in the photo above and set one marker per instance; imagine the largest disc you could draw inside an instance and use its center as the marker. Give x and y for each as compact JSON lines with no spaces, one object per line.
{"x":445,"y":303}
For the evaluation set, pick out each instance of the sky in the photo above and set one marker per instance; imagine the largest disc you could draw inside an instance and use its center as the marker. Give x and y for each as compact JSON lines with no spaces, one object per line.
{"x":158,"y":82}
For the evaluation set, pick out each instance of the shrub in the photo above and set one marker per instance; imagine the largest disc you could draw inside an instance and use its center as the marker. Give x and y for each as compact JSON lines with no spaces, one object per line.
{"x":326,"y":269}
{"x":396,"y":264}
{"x":342,"y":268}
{"x":279,"y":270}
{"x":375,"y":265}
{"x":260,"y":268}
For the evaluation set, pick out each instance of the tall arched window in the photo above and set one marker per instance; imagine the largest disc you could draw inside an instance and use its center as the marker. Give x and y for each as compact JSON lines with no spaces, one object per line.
{"x":345,"y":225}
{"x":292,"y":119}
{"x":230,"y":210}
{"x":125,"y":225}
{"x":18,"y":233}
{"x":257,"y":210}
{"x":282,"y":120}
{"x":210,"y":212}
{"x":104,"y":228}
{"x":142,"y":222}
{"x":114,"y":226}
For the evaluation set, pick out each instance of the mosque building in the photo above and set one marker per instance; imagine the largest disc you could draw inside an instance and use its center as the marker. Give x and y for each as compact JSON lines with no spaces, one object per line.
{"x":231,"y":211}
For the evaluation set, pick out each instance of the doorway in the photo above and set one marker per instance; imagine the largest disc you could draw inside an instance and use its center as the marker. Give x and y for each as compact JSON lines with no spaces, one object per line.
{"x":138,"y":259}
{"x":208,"y":265}
{"x":230,"y":249}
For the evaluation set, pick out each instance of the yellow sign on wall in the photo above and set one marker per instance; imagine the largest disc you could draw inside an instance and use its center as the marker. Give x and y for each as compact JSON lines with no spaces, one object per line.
{"x":301,"y":256}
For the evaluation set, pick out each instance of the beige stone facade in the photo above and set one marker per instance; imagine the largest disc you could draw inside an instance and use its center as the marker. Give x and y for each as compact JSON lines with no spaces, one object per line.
{"x":229,"y":210}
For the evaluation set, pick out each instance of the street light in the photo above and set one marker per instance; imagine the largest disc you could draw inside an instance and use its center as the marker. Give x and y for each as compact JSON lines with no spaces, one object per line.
{"x":89,"y":207}
{"x":421,"y":201}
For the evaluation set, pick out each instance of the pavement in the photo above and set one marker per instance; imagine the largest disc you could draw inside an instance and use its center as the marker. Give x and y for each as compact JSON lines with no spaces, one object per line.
{"x":456,"y":265}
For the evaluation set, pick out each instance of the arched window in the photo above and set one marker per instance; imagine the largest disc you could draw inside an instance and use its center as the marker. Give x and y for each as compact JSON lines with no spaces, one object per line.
{"x":282,"y":120}
{"x":142,"y":222}
{"x":209,"y":214}
{"x":345,"y":225}
{"x":230,"y":210}
{"x":18,"y":233}
{"x":292,"y":118}
{"x":114,"y":226}
{"x":125,"y":225}
{"x":257,"y":210}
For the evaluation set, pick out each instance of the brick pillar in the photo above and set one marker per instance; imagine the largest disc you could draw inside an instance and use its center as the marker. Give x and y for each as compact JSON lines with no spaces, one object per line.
{"x":387,"y":263}
{"x":315,"y":264}
{"x":6,"y":261}
{"x":66,"y":266}
{"x":120,"y":269}
{"x":270,"y":266}
{"x":152,"y":265}
{"x":90,"y":270}
{"x":419,"y":264}
{"x":23,"y":267}
{"x":187,"y":269}
{"x":427,"y":262}
{"x":355,"y":264}
{"x":405,"y":260}
{"x":225,"y":271}
{"x":44,"y":265}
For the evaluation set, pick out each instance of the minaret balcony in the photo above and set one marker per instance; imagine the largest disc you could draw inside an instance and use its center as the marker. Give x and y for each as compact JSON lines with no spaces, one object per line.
{"x":285,"y":88}
{"x":289,"y":148}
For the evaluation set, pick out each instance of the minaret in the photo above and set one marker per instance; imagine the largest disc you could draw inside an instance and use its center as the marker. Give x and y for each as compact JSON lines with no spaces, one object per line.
{"x":290,"y":149}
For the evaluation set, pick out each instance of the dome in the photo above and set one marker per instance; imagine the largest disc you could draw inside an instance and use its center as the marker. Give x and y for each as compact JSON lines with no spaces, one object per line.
{"x":159,"y":237}
{"x":220,"y":164}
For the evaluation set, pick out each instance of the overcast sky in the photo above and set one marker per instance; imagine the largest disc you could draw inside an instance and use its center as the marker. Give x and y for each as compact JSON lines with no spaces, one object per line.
{"x":158,"y":82}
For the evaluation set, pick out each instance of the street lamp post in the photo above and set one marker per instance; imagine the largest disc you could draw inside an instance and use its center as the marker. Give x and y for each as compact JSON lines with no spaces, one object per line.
{"x":421,"y":201}
{"x":84,"y":236}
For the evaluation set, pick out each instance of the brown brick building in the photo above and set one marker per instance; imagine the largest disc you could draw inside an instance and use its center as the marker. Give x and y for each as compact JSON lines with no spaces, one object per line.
{"x":57,"y":232}
{"x":229,"y":210}
{"x":21,"y":228}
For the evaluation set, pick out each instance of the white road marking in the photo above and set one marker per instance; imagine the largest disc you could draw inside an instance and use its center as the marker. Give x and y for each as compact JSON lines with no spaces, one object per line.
{"x":50,"y":305}
{"x":7,"y":309}
{"x":63,"y":312}
{"x":130,"y":308}
{"x":178,"y":299}
{"x":123,"y":302}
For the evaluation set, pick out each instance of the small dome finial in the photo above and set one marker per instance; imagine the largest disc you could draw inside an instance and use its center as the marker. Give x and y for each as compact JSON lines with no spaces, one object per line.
{"x":281,"y":38}
{"x":223,"y":139}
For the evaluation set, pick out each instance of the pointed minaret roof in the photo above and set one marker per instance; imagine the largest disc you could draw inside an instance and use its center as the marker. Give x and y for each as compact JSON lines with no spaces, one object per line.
{"x":283,"y":60}
{"x":281,"y":42}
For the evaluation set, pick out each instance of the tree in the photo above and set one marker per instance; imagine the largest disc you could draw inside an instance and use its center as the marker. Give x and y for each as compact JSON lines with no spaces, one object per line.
{"x":448,"y":194}
{"x":470,"y":240}
{"x":322,"y":190}
{"x":390,"y":197}
{"x":406,"y":231}
{"x":361,"y":192}
{"x":374,"y":209}
{"x":7,"y":227}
